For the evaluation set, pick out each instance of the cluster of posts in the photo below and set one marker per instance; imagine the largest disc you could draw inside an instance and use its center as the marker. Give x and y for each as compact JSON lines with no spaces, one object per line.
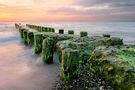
{"x":41,"y":38}
{"x":49,"y":29}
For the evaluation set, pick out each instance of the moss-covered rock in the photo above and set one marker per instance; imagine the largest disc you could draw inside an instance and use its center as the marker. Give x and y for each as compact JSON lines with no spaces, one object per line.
{"x":25,"y":32}
{"x":69,"y":65}
{"x":107,"y":63}
{"x":86,"y":45}
{"x":48,"y":49}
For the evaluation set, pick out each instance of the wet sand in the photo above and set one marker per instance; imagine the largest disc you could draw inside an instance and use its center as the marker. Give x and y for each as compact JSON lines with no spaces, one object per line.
{"x":20,"y":68}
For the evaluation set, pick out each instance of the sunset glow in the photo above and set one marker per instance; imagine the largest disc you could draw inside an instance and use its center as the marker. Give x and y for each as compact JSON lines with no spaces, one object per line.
{"x":67,"y":10}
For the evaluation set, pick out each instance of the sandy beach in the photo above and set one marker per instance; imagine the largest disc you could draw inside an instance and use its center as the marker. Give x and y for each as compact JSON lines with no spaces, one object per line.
{"x":20,"y":68}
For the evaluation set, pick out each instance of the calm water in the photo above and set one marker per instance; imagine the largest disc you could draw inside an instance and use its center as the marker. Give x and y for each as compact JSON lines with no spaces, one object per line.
{"x":20,"y":68}
{"x":125,"y":30}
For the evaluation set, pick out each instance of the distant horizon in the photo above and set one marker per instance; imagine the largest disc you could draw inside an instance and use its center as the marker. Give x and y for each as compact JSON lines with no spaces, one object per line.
{"x":67,"y":10}
{"x":65,"y":21}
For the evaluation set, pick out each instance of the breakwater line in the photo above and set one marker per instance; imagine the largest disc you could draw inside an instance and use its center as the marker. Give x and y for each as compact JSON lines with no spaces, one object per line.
{"x":107,"y":57}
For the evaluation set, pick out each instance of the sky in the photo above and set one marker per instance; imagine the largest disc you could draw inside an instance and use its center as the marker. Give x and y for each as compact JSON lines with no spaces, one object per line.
{"x":67,"y":10}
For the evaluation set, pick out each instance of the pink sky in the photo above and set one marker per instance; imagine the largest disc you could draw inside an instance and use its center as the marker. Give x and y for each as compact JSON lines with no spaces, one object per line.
{"x":63,"y":10}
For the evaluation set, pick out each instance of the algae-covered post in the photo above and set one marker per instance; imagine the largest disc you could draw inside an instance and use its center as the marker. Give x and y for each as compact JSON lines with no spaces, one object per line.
{"x":21,"y":31}
{"x":83,"y":34}
{"x":30,"y":38}
{"x":106,"y":35}
{"x":48,"y":49}
{"x":69,"y":64}
{"x":38,"y":37}
{"x":25,"y":32}
{"x":70,"y":32}
{"x":49,"y":29}
{"x":53,"y":30}
{"x":61,"y":31}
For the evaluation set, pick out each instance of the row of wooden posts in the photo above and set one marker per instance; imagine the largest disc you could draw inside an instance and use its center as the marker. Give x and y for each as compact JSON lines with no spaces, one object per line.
{"x":49,"y":29}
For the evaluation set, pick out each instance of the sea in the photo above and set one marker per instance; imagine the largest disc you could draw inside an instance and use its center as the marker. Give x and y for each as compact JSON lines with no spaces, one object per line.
{"x":123,"y":30}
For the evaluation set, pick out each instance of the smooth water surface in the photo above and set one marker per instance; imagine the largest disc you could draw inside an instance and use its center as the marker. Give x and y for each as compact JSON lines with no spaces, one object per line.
{"x":20,"y":68}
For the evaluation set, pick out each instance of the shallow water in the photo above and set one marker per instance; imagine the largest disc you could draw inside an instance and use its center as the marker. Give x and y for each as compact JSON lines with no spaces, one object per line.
{"x":20,"y":68}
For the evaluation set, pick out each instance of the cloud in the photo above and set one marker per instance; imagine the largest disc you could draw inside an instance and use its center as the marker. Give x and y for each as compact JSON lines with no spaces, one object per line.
{"x":39,"y":1}
{"x":68,"y":9}
{"x":122,"y":5}
{"x":103,"y":2}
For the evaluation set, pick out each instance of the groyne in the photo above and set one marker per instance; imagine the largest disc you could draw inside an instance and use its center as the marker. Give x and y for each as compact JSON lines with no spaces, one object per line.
{"x":105,"y":56}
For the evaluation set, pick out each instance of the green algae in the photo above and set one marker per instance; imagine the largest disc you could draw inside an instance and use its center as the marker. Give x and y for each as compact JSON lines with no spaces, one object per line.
{"x":83,"y":34}
{"x":30,"y":38}
{"x":69,"y":65}
{"x":108,"y":65}
{"x":129,"y":58}
{"x":38,"y":37}
{"x":128,"y":54}
{"x":25,"y":37}
{"x":47,"y":50}
{"x":128,"y":49}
